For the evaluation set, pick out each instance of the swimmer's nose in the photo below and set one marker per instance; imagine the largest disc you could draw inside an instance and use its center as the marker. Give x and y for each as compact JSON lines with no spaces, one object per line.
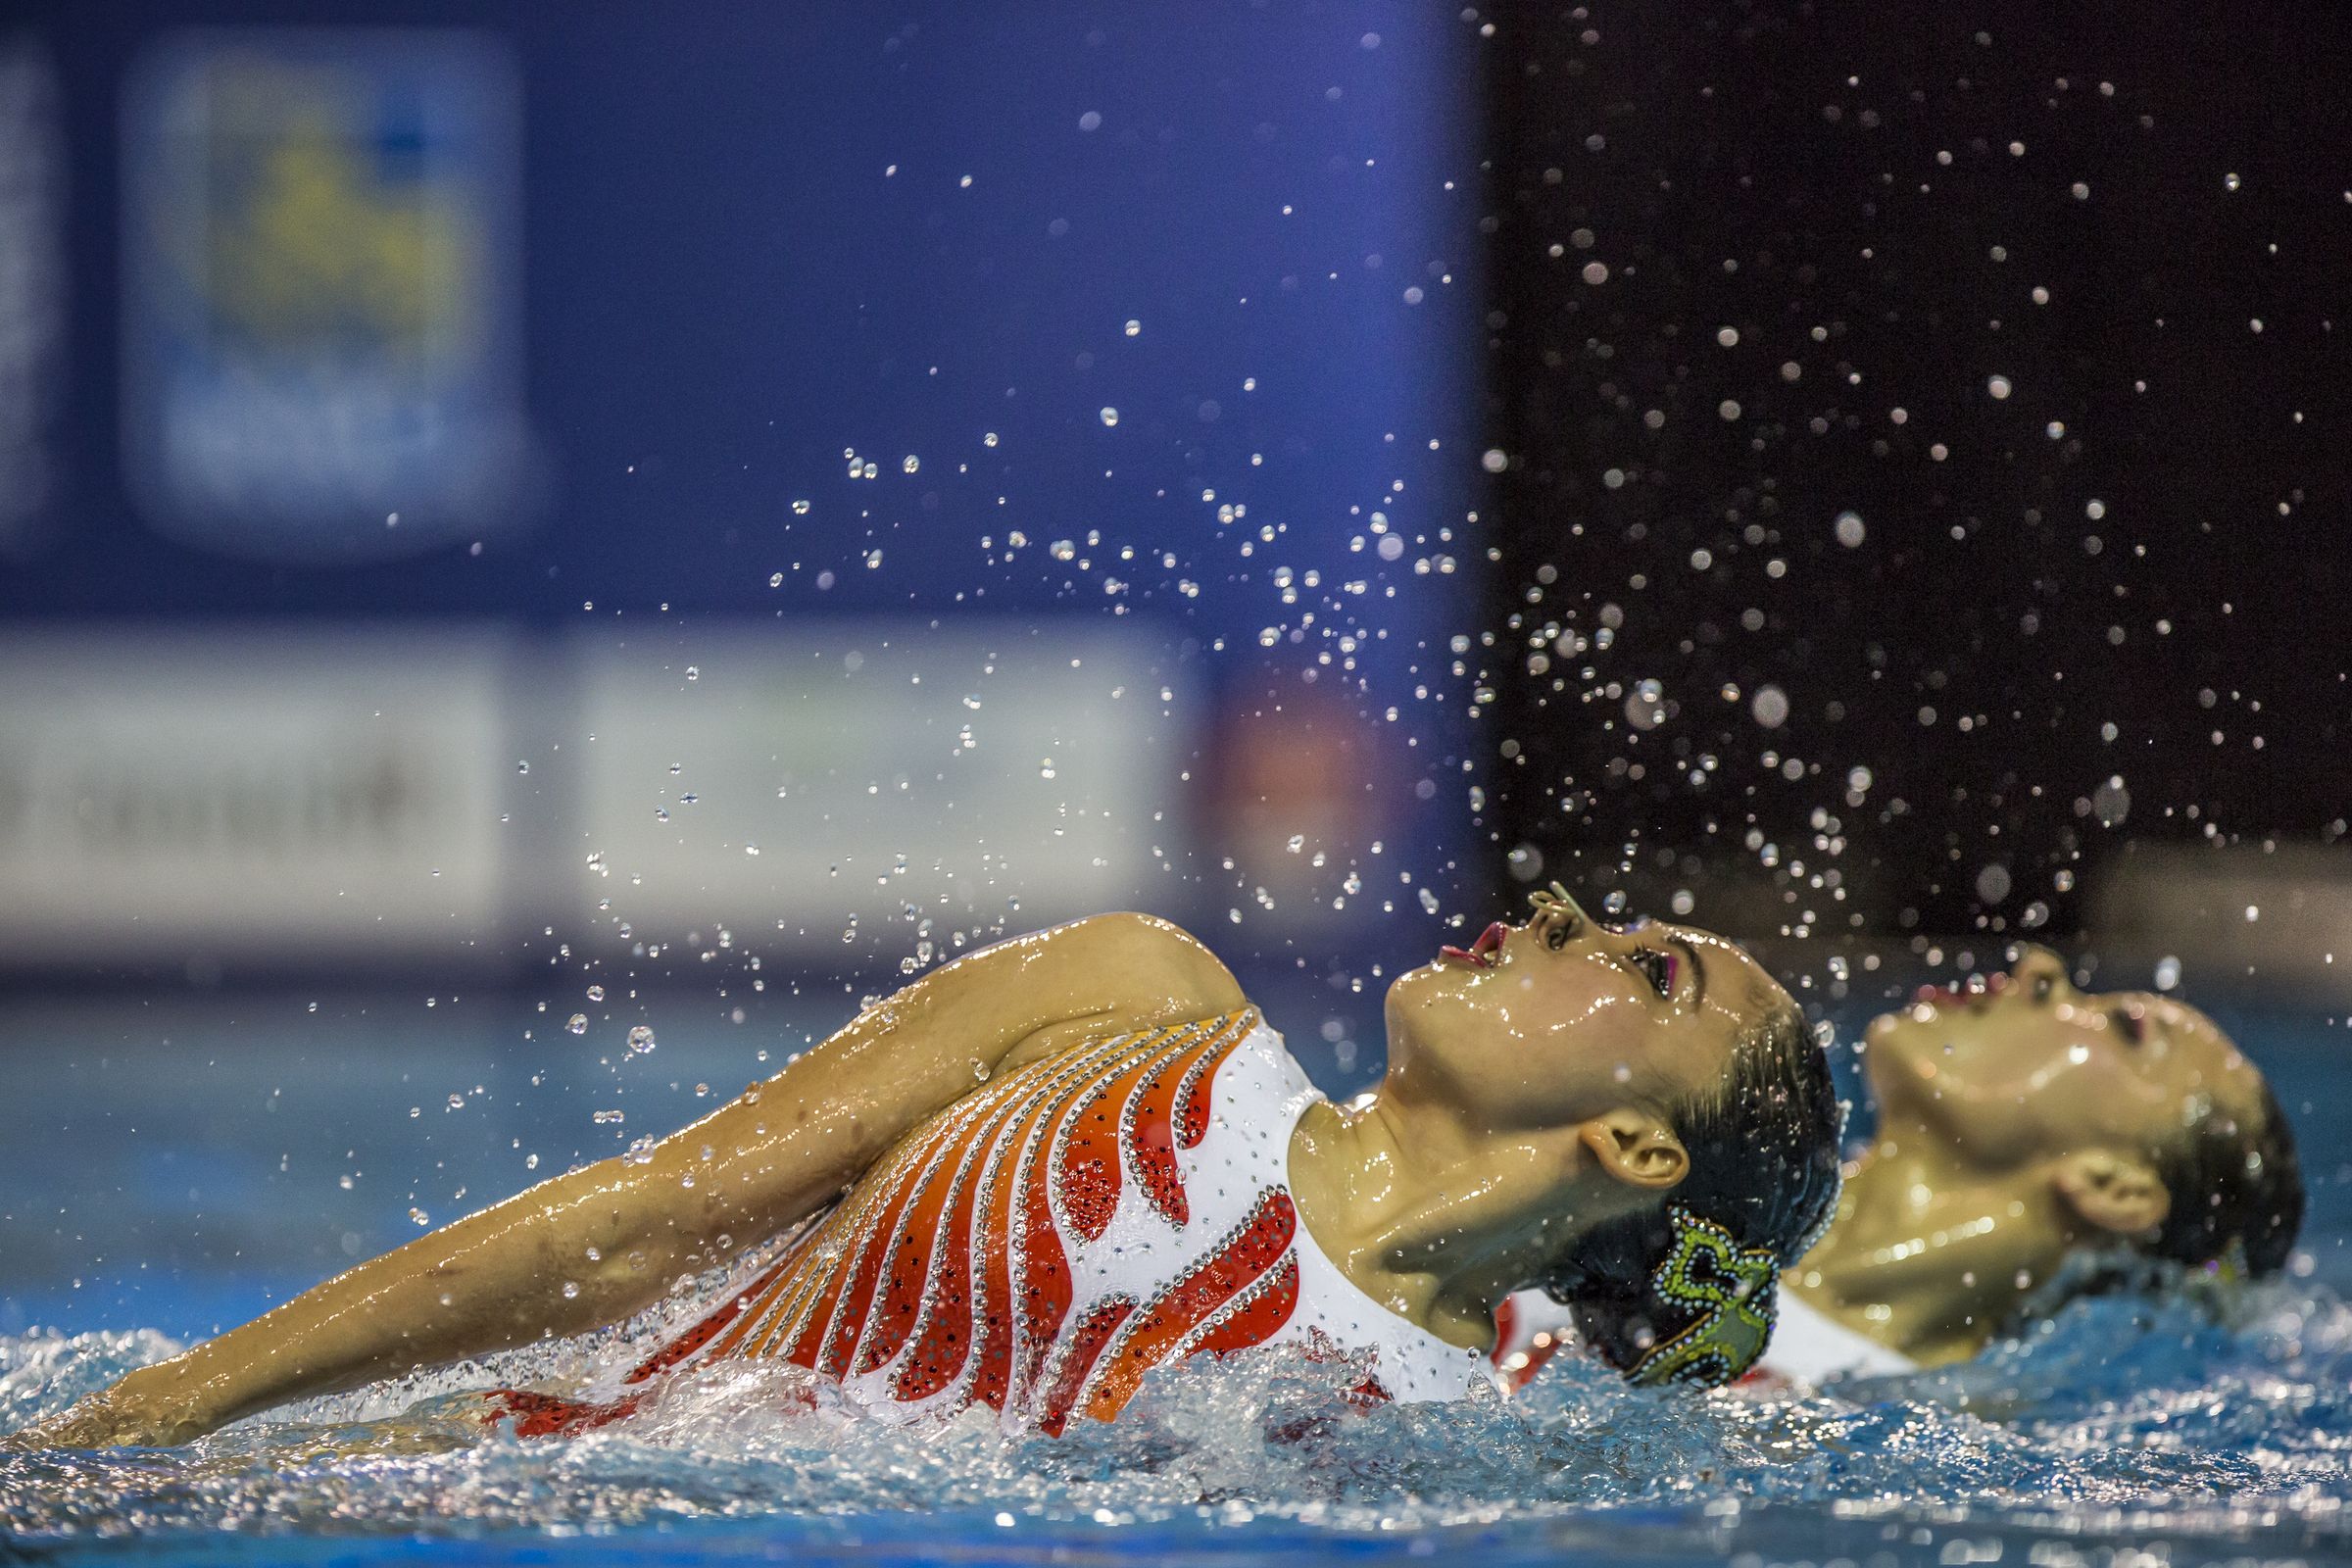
{"x":1556,"y":903}
{"x":2040,"y":974}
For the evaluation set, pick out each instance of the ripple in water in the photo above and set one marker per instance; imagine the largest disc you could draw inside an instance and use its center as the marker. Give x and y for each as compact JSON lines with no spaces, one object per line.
{"x":2121,"y":1423}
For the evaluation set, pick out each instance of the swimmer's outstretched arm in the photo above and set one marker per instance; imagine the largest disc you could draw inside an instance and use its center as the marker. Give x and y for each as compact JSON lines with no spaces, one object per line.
{"x":620,"y":1233}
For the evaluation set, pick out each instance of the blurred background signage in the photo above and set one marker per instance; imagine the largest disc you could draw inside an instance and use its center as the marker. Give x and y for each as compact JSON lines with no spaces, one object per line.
{"x":176,"y":799}
{"x":33,"y":286}
{"x":321,"y":342}
{"x":1009,"y":466}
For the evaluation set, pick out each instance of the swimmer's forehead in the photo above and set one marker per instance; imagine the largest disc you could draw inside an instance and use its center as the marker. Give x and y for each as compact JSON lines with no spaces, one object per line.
{"x":1732,"y":974}
{"x":2193,"y":1032}
{"x":2172,"y":1015}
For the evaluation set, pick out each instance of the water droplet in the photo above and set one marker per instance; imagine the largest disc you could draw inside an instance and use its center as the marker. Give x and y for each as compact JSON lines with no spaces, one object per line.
{"x":1110,"y":415}
{"x":522,"y":767}
{"x":420,"y":1216}
{"x":571,"y":1290}
{"x":1998,"y":385}
{"x":694,"y":672}
{"x":641,"y":1039}
{"x":577,"y":1023}
{"x":1134,"y":328}
{"x":596,"y":993}
{"x":1850,"y":530}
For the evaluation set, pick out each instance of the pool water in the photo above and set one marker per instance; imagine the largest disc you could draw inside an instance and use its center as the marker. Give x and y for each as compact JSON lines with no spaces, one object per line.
{"x":2130,"y":1430}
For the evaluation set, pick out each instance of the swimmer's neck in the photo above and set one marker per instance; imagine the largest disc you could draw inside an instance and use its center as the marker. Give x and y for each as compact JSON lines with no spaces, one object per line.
{"x":1433,"y":1219}
{"x":1928,"y":1255}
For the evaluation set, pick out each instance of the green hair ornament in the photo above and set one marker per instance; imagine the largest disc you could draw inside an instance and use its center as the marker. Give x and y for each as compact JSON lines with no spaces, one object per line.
{"x":1733,"y":1290}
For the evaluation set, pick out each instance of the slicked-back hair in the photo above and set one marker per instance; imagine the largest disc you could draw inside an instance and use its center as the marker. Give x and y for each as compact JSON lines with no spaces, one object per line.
{"x":1763,"y":1145}
{"x":2232,"y":1186}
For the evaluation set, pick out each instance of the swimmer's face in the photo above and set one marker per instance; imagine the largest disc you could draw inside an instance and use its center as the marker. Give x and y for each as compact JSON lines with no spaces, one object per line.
{"x":2031,"y":1067}
{"x":1546,"y":1023}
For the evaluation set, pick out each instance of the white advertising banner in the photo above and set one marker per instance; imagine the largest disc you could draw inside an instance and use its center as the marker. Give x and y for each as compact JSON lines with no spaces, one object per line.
{"x":785,"y":782}
{"x":274,"y":796}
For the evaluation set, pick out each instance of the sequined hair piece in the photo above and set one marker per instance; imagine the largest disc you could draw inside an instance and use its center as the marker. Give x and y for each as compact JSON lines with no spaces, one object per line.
{"x":1732,"y":1292}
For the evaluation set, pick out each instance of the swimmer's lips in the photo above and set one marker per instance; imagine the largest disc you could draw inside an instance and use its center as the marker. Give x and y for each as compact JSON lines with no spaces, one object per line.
{"x":1961,"y":996}
{"x":1479,"y":954}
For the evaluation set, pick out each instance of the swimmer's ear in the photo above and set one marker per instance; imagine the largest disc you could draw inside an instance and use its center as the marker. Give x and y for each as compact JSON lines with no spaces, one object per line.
{"x":2113,"y":1191}
{"x":1636,"y":1147}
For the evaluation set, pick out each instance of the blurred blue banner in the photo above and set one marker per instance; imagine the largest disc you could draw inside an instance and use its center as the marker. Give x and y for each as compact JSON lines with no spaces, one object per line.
{"x":638,"y":332}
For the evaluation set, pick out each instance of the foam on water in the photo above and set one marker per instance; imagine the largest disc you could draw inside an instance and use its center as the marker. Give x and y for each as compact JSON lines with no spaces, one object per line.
{"x":2125,"y":1419}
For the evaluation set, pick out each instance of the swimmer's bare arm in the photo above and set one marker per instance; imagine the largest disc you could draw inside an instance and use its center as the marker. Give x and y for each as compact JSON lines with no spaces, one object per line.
{"x":619,"y":1233}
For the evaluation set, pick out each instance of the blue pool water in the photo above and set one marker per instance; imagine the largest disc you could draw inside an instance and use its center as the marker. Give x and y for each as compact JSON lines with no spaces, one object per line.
{"x":2127,"y":1432}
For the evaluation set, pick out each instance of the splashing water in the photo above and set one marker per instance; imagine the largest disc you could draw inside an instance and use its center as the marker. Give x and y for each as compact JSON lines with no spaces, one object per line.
{"x":2122,"y":1420}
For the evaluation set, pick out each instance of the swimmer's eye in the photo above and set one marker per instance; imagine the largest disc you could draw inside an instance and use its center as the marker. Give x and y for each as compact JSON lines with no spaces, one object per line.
{"x":2044,"y":985}
{"x":1657,"y":968}
{"x":2132,"y":1024}
{"x":1556,"y":937}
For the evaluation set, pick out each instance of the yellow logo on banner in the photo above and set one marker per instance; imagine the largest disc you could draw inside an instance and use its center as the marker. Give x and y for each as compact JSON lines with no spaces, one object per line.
{"x":316,"y":247}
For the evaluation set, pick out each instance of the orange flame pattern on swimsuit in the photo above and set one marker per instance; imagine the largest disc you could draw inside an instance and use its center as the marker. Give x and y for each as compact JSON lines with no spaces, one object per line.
{"x":945,"y":1273}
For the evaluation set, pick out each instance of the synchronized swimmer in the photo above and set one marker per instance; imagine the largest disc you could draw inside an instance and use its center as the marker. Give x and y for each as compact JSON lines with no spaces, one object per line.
{"x":1043,"y":1168}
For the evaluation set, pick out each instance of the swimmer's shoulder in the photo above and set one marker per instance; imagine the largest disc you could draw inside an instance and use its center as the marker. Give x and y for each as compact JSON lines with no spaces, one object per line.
{"x":1120,"y":972}
{"x":1163,"y":960}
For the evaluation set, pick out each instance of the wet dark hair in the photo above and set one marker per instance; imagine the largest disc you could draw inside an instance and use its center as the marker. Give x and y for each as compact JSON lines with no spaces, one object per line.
{"x":1763,"y":1146}
{"x":2233,"y":1188}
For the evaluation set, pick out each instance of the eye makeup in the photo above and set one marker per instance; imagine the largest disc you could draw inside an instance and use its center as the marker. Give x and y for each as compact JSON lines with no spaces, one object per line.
{"x":1659,"y":968}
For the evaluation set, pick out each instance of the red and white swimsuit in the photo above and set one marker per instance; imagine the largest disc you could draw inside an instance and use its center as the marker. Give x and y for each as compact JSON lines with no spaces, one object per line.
{"x":1049,"y":1239}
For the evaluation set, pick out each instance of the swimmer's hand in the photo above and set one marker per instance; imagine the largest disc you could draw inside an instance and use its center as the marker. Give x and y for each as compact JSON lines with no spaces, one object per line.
{"x":152,"y":1407}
